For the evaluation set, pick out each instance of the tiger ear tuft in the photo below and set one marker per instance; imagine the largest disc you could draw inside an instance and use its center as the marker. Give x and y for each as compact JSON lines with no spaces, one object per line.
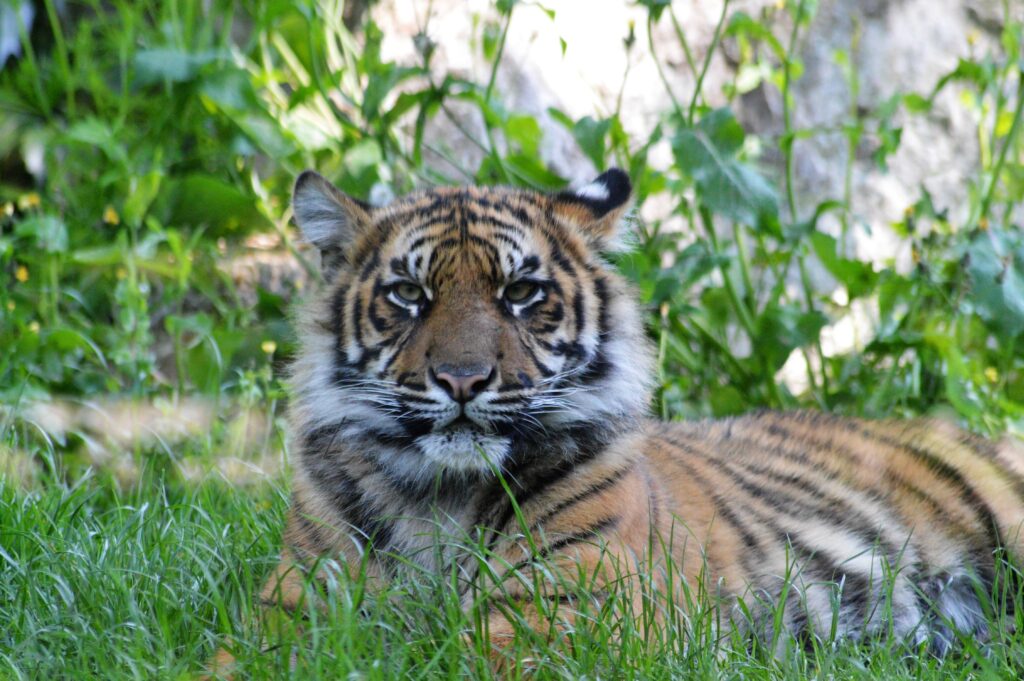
{"x":596,"y":209}
{"x":328,"y":218}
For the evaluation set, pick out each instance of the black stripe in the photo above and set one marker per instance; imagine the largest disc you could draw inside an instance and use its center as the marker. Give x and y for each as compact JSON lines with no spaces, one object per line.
{"x":605,"y":484}
{"x":601,"y":290}
{"x":541,"y":367}
{"x":347,"y":498}
{"x":583,"y":536}
{"x":847,"y":452}
{"x":579,"y":312}
{"x":858,"y":586}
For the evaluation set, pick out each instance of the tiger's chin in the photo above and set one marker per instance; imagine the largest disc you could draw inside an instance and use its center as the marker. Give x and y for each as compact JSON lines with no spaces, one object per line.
{"x":465,"y":450}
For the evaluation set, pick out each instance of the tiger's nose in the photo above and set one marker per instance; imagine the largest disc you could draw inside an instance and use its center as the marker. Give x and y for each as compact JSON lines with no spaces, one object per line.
{"x":462,"y":383}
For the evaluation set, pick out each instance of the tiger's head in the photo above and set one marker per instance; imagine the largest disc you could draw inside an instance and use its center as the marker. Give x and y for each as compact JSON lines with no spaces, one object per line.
{"x":466,"y":329}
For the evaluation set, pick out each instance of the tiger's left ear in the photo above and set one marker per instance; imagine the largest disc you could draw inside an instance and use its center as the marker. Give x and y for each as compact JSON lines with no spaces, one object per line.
{"x":595,"y":210}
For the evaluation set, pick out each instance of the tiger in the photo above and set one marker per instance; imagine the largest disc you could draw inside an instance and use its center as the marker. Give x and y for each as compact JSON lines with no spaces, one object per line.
{"x":474,"y":361}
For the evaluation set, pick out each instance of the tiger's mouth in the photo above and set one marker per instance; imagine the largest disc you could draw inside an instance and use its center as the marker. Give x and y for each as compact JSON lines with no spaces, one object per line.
{"x":463,"y":423}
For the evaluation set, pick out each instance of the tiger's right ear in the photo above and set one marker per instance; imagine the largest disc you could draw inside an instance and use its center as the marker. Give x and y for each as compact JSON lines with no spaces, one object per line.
{"x":328,"y":218}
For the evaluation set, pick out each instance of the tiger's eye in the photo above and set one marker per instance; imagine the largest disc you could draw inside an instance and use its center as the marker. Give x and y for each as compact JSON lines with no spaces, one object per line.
{"x":520,"y":292}
{"x":410,"y":293}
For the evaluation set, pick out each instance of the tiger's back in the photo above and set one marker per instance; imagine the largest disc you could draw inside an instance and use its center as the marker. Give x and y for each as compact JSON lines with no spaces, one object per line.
{"x":860,"y":527}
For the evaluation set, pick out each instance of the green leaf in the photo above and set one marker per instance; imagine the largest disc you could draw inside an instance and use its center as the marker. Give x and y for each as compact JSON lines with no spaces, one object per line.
{"x":726,"y":400}
{"x":655,"y":7}
{"x":996,"y":269}
{"x":171,"y":65}
{"x":96,"y":133}
{"x":742,"y":24}
{"x":782,"y":328}
{"x":858,"y":277}
{"x":915,"y":103}
{"x":530,"y":172}
{"x":361,"y":163}
{"x":110,"y":254}
{"x":592,"y":136}
{"x":50,"y":232}
{"x":144,"y":192}
{"x":381,"y":83}
{"x":796,"y":232}
{"x":65,"y":339}
{"x":205,"y":200}
{"x":729,"y":187}
{"x":524,"y":134}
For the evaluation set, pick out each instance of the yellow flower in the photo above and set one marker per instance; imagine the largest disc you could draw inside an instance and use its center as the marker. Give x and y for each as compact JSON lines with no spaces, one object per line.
{"x":983,"y":223}
{"x":33,"y":326}
{"x":972,"y":37}
{"x":21,"y":274}
{"x":110,"y":216}
{"x":992,"y":375}
{"x":10,"y":306}
{"x":121,"y":273}
{"x":30,"y":200}
{"x":268,"y":346}
{"x":8,"y":209}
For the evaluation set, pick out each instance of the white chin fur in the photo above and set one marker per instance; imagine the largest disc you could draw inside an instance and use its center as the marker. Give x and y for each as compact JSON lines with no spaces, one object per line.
{"x":465,"y":450}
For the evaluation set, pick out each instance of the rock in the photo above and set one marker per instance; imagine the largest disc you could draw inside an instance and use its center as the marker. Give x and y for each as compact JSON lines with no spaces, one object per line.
{"x":897,"y":46}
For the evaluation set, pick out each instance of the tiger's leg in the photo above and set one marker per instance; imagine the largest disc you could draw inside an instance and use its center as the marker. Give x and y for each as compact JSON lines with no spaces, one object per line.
{"x":592,"y":582}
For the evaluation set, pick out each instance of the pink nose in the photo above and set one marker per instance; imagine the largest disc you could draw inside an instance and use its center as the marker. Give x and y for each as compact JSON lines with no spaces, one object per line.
{"x":462,"y":383}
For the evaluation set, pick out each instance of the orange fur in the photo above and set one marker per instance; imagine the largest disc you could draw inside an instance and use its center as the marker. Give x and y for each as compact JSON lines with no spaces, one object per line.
{"x":737,"y":504}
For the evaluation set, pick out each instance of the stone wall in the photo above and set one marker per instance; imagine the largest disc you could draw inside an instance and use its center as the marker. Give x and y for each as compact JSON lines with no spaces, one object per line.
{"x":896,"y":45}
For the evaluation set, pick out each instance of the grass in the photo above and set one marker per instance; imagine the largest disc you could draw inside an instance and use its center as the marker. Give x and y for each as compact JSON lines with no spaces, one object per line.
{"x":146,"y":583}
{"x":132,"y":550}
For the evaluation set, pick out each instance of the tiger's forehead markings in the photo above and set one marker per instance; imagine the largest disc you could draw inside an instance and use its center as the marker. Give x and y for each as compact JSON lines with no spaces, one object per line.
{"x":492,"y":232}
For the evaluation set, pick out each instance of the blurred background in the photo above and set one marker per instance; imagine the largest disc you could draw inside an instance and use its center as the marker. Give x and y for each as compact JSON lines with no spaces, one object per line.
{"x":828,"y":199}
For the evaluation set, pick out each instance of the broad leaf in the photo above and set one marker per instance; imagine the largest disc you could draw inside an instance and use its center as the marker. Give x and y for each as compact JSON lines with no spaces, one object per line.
{"x":996,"y":269}
{"x":708,"y":153}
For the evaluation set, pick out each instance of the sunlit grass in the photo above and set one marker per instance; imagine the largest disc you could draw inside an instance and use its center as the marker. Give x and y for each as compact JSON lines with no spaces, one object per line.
{"x":147,"y":582}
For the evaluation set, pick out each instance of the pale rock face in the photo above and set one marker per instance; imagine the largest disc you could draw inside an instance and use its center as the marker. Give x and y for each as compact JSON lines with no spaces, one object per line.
{"x":902,"y":46}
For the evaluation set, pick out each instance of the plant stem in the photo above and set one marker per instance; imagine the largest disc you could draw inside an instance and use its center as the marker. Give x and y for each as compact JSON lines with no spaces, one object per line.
{"x":852,"y":140}
{"x":746,"y":319}
{"x":489,"y":91}
{"x":683,"y":42}
{"x":497,"y":58}
{"x":657,"y":65}
{"x":748,"y":282}
{"x":1010,"y":139}
{"x":787,"y":117}
{"x":707,"y":62}
{"x":61,"y":48}
{"x":787,"y":151}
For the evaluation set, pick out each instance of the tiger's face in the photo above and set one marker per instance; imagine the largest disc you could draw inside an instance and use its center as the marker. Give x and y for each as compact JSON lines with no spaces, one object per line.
{"x":461,"y":325}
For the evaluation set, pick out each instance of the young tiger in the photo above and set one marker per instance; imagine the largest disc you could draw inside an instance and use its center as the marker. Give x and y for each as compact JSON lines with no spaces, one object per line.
{"x":470,"y":333}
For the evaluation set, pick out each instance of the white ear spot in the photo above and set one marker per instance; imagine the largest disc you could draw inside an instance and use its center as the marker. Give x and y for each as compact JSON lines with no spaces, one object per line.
{"x":595,"y":191}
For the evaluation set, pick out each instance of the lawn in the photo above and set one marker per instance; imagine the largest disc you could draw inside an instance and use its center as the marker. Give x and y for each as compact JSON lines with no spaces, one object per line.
{"x":147,"y":152}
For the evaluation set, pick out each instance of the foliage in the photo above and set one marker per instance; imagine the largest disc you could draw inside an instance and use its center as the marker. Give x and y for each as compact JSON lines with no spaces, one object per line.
{"x":146,"y":146}
{"x":170,"y":134}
